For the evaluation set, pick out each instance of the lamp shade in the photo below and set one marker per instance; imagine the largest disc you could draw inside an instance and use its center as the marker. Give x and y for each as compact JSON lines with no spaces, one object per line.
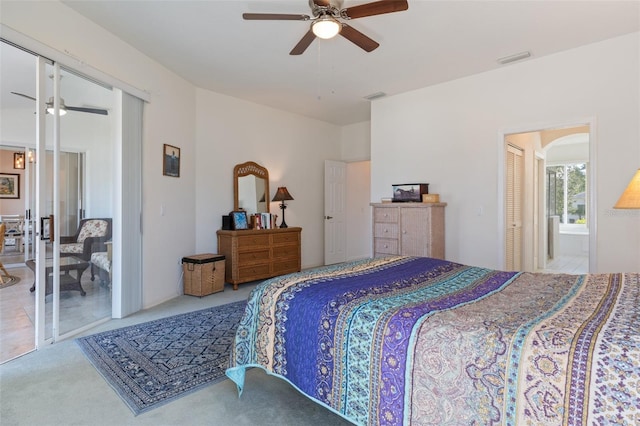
{"x":282,"y":194}
{"x":326,"y":27}
{"x":630,"y":198}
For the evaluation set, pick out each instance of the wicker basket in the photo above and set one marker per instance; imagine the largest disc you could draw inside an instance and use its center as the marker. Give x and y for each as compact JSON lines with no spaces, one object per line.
{"x":203,"y":274}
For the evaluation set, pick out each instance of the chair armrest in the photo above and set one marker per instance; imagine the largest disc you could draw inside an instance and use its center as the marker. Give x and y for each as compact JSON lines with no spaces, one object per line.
{"x":93,"y":244}
{"x":67,"y":240}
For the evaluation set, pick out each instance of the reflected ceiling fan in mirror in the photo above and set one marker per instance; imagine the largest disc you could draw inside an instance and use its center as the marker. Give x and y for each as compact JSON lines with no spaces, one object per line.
{"x":327,"y":21}
{"x":64,"y":108}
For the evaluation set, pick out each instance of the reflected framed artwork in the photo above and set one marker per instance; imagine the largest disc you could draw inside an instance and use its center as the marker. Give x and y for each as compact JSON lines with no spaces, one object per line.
{"x":9,"y":185}
{"x":46,"y":228}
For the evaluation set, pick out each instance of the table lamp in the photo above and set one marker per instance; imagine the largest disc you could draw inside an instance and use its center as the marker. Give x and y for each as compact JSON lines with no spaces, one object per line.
{"x":630,"y":198}
{"x":282,"y":195}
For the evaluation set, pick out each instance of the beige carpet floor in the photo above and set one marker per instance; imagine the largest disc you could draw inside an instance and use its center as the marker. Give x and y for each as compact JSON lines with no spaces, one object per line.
{"x":57,"y":386}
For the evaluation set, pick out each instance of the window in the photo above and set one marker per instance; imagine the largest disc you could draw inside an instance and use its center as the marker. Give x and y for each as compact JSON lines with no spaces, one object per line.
{"x":567,"y":195}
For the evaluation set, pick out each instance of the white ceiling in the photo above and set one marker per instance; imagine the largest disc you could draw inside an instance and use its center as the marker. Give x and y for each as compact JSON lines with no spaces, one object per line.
{"x":209,"y":44}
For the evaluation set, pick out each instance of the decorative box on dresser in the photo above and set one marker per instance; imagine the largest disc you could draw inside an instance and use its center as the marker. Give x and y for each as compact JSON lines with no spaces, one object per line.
{"x":258,"y":254}
{"x":410,"y":229}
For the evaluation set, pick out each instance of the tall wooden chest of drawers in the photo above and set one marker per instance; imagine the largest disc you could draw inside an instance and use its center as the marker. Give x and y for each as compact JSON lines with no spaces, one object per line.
{"x":410,"y":229}
{"x":258,"y":254}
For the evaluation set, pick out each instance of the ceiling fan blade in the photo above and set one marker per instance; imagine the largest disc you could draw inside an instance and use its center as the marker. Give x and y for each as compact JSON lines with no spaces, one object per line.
{"x":303,"y":43}
{"x":274,"y":17}
{"x":89,"y":110}
{"x":357,"y":38}
{"x":375,"y":8}
{"x":24,"y":96}
{"x":322,"y":2}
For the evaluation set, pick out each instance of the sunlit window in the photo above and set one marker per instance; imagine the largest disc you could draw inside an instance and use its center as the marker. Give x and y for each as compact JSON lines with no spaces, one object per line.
{"x":567,"y":195}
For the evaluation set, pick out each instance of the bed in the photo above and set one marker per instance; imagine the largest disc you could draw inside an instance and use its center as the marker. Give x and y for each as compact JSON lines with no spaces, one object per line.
{"x":411,"y":340}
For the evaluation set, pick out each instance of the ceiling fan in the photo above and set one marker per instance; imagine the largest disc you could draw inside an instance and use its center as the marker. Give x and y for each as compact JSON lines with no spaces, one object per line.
{"x":64,"y":108}
{"x":327,"y":21}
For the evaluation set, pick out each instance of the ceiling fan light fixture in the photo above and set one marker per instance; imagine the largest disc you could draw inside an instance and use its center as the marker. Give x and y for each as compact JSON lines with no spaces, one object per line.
{"x":326,"y":27}
{"x":50,"y":109}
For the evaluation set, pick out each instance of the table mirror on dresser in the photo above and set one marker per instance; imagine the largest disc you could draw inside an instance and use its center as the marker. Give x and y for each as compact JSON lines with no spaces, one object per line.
{"x":251,"y":188}
{"x":256,"y":254}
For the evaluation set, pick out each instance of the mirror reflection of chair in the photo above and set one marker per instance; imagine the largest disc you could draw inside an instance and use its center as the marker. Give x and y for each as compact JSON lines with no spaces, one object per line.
{"x":91,"y":237}
{"x":14,"y":231}
{"x":3,"y":272}
{"x":101,"y":265}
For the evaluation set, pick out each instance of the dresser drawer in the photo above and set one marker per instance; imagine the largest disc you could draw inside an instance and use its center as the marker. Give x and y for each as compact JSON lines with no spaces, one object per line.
{"x":385,"y":214}
{"x":285,"y":267}
{"x":252,"y":273}
{"x":289,"y":237}
{"x":386,"y":230}
{"x":385,"y":246}
{"x":285,"y":251}
{"x":246,"y":241}
{"x":253,"y":256}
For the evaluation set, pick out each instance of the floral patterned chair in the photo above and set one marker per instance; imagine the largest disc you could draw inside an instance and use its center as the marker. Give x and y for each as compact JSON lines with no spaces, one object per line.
{"x":101,"y":265}
{"x":90,"y":237}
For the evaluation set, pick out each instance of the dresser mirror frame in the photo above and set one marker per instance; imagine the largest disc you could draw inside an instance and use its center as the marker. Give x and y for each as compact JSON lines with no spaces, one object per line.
{"x":247,"y":177}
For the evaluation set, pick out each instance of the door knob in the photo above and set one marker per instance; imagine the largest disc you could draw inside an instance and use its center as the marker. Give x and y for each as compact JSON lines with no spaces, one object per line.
{"x":328,"y":217}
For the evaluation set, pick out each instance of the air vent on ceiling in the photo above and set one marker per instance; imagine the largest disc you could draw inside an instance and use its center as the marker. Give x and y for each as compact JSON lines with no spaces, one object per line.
{"x":375,"y":96}
{"x":513,"y":58}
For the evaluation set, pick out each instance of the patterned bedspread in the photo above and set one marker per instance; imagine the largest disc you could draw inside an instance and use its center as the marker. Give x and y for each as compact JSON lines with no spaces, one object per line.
{"x":404,"y":340}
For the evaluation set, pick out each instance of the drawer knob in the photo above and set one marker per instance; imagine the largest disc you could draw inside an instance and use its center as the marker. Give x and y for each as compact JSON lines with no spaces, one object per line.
{"x":386,"y":230}
{"x":386,"y":246}
{"x":404,"y":232}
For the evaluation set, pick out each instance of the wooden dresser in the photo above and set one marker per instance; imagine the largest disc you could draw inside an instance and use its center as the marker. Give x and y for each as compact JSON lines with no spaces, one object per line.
{"x":258,"y":254}
{"x":410,"y":229}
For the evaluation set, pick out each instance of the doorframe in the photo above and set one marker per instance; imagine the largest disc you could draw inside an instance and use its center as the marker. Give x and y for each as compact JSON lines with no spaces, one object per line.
{"x":592,"y":180}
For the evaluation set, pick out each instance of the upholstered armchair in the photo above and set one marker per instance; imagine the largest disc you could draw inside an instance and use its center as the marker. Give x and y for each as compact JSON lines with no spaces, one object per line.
{"x":90,"y":237}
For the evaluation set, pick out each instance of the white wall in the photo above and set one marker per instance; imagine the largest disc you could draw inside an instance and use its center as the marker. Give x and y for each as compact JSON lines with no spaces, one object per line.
{"x":448,"y":135}
{"x":169,"y":117}
{"x":356,"y":141}
{"x":293,"y":148}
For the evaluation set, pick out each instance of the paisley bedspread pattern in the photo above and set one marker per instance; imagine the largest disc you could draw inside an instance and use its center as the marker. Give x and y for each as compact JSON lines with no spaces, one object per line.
{"x":404,"y":340}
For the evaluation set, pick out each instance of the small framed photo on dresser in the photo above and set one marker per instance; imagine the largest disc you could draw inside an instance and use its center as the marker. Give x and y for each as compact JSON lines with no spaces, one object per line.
{"x":239,"y":220}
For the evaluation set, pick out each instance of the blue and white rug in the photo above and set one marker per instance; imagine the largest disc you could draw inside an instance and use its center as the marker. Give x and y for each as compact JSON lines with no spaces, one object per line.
{"x":156,"y":362}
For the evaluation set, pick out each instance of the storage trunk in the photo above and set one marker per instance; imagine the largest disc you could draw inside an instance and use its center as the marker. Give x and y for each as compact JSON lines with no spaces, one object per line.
{"x":203,"y":274}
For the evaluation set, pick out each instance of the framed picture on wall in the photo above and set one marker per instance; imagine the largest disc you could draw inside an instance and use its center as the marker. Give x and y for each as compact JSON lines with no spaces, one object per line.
{"x":170,"y":160}
{"x":239,"y":220}
{"x":9,"y":185}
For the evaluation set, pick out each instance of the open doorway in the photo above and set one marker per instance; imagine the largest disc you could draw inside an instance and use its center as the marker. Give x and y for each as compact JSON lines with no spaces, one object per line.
{"x":555,"y":189}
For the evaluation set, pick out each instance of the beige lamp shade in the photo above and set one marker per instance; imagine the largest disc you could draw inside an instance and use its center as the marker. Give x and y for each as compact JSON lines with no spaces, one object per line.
{"x":630,"y":198}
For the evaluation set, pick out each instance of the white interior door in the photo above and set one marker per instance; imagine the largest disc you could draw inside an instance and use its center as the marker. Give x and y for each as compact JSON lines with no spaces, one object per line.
{"x":335,"y":243}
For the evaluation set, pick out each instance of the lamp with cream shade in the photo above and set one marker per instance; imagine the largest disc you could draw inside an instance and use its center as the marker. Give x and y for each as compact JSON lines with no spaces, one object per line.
{"x":630,"y":198}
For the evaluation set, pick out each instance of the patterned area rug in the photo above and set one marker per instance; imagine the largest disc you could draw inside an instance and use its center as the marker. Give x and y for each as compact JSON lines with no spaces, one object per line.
{"x":8,"y":281}
{"x":153,"y":363}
